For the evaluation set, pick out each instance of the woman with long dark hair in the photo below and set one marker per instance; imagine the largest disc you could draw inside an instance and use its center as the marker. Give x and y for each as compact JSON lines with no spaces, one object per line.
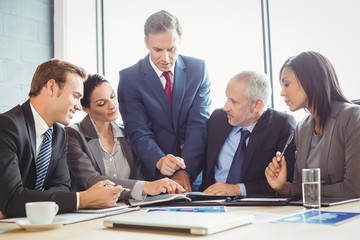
{"x":329,"y":138}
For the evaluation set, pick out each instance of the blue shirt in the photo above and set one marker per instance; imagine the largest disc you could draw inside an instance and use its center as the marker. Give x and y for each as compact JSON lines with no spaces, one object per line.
{"x":227,"y":153}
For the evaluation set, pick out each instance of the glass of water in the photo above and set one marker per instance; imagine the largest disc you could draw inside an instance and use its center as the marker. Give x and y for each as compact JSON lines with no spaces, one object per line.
{"x":311,"y":188}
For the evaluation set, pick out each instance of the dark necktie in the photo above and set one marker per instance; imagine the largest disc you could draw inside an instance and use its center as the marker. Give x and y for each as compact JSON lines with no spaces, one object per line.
{"x":168,"y":85}
{"x":234,"y":175}
{"x":43,"y":160}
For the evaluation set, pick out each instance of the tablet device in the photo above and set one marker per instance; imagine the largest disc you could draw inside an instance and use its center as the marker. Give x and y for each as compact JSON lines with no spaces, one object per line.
{"x":327,"y":202}
{"x":260,"y":201}
{"x":117,"y":207}
{"x":193,"y":223}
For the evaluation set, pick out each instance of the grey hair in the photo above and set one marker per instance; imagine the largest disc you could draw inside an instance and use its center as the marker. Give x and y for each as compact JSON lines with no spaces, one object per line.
{"x":162,"y":21}
{"x":258,"y":86}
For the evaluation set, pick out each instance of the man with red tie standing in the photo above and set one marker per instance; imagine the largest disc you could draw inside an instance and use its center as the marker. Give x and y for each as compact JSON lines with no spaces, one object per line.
{"x":164,"y":103}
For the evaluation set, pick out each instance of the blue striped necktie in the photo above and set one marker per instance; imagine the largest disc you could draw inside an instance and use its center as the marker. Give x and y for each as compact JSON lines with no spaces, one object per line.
{"x":234,"y":175}
{"x":43,"y":160}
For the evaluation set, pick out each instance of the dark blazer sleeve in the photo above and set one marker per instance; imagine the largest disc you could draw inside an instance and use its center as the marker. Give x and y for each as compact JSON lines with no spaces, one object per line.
{"x":218,"y":129}
{"x":17,"y":166}
{"x":195,"y":128}
{"x":269,"y":136}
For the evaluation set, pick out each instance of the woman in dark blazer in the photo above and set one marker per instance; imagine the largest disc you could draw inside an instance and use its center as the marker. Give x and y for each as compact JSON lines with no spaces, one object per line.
{"x":98,"y":148}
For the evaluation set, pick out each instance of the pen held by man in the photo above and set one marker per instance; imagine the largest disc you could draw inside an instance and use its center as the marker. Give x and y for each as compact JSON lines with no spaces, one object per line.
{"x":123,"y":189}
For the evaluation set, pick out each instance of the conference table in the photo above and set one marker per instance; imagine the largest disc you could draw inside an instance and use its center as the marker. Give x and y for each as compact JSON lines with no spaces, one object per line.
{"x":264,"y":227}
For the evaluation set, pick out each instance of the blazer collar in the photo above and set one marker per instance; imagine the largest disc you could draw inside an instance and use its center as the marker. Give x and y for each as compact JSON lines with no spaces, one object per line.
{"x":87,"y":128}
{"x":30,"y":125}
{"x":92,"y":139}
{"x":151,"y":80}
{"x":255,"y":137}
{"x":307,"y":131}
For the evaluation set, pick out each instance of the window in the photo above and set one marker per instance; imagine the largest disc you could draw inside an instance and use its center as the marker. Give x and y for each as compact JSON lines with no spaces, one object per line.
{"x":227,"y":35}
{"x":329,"y":27}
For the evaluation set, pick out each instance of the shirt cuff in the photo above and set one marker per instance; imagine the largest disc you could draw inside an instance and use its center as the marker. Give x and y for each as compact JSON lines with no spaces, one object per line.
{"x":77,"y":200}
{"x":137,"y":191}
{"x":242,"y":189}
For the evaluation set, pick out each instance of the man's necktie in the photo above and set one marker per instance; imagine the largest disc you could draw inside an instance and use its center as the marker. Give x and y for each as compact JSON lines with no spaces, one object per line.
{"x":168,"y":85}
{"x":236,"y":165}
{"x":43,"y":160}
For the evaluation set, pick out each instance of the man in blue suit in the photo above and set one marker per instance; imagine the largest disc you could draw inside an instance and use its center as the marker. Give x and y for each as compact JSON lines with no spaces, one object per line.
{"x":165,"y":117}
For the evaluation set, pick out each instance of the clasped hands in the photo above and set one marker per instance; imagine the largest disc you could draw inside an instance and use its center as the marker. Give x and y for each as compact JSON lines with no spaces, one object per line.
{"x":170,"y":165}
{"x":221,"y":188}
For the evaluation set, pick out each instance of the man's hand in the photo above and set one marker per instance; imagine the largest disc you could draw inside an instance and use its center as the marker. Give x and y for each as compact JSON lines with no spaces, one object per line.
{"x":164,"y":185}
{"x":101,"y":195}
{"x":183,"y":179}
{"x":169,"y":164}
{"x":2,"y":216}
{"x":221,"y":188}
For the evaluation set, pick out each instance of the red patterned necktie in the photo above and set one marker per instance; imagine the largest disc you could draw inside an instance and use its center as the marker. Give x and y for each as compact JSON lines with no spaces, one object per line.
{"x":168,"y":85}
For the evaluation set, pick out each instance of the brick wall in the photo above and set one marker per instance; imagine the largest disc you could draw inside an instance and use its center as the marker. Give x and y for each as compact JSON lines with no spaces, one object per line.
{"x":26,"y":40}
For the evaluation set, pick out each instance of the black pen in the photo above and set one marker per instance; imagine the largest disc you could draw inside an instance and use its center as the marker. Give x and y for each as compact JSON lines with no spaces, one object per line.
{"x":290,"y":138}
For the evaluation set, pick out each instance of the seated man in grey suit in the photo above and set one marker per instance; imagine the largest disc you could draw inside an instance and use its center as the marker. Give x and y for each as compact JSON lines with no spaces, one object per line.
{"x":245,"y":114}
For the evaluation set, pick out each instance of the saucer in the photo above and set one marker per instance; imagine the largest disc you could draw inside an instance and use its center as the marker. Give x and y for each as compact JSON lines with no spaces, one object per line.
{"x":25,"y":224}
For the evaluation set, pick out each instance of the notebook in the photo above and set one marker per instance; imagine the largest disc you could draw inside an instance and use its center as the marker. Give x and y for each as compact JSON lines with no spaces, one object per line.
{"x":117,"y":208}
{"x":193,"y":223}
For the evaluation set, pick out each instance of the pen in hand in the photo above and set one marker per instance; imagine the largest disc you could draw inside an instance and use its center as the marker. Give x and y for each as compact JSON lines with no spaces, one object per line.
{"x":123,"y":189}
{"x":127,"y":190}
{"x":290,"y":138}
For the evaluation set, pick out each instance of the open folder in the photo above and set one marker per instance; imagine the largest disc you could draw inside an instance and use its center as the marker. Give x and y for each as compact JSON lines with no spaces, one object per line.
{"x":181,"y":198}
{"x":193,"y":223}
{"x":201,"y":199}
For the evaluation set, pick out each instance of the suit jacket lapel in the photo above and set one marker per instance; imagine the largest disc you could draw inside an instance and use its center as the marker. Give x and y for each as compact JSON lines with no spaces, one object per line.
{"x":92,"y":138}
{"x":216,"y":141}
{"x":178,"y":90}
{"x":30,"y":125}
{"x":307,"y":130}
{"x":152,"y":81}
{"x":327,"y":137}
{"x":253,"y":141}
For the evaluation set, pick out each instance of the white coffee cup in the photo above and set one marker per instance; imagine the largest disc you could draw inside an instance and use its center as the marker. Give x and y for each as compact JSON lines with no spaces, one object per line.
{"x":41,"y":212}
